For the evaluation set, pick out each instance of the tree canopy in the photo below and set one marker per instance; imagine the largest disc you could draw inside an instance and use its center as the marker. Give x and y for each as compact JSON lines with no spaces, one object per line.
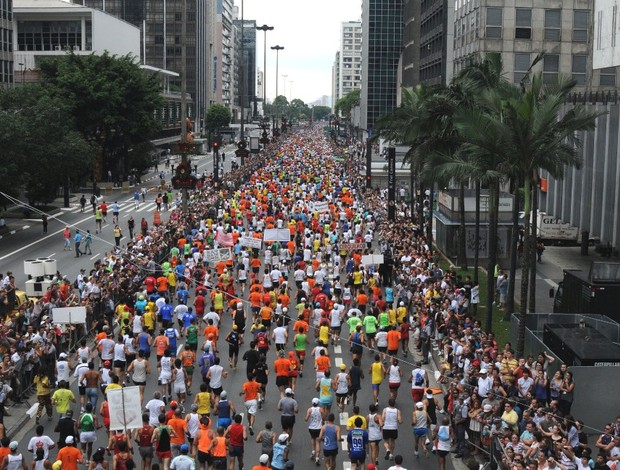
{"x":345,"y":104}
{"x":112,"y":101}
{"x":217,"y":116}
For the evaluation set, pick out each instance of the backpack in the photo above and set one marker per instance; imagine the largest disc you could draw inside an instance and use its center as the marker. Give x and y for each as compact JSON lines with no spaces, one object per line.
{"x":418,"y":379}
{"x":443,"y":434}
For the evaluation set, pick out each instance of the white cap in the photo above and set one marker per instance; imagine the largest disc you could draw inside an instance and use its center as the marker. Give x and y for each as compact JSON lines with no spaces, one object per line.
{"x":13,"y":445}
{"x":419,"y":405}
{"x":62,"y":356}
{"x":283,"y":437}
{"x":69,"y":440}
{"x":487,"y":408}
{"x":315,"y":401}
{"x":288,"y":391}
{"x":264,"y":459}
{"x":483,"y":371}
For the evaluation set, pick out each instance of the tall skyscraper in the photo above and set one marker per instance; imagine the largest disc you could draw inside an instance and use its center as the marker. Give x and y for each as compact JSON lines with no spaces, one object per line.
{"x":347,"y":75}
{"x":245,"y":90}
{"x":382,"y":43}
{"x":6,"y":43}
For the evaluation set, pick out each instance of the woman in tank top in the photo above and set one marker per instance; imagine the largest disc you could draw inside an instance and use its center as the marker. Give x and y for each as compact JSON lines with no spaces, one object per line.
{"x":314,"y":417}
{"x":375,"y":423}
{"x":178,"y":380}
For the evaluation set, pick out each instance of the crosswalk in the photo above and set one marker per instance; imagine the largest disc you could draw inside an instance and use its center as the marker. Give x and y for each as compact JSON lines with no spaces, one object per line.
{"x":126,"y":208}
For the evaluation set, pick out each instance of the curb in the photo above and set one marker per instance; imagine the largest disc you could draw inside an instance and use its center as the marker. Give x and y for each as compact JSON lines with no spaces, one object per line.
{"x":13,"y":232}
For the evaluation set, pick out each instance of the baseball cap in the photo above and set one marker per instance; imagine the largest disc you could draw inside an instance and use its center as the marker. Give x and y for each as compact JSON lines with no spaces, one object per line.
{"x":173,"y":404}
{"x":69,"y":440}
{"x":483,"y":371}
{"x":343,"y":366}
{"x":195,"y":407}
{"x":315,"y":401}
{"x":106,"y":364}
{"x":419,"y":405}
{"x":57,"y":465}
{"x":223,"y":395}
{"x":264,"y":459}
{"x":283,"y":437}
{"x":487,"y":408}
{"x":13,"y":445}
{"x":235,"y":327}
{"x":184,"y":448}
{"x":62,"y":356}
{"x":288,"y":391}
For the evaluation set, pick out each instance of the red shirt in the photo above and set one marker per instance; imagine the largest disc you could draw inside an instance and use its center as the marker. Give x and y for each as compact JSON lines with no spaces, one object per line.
{"x":235,"y":434}
{"x":149,"y":282}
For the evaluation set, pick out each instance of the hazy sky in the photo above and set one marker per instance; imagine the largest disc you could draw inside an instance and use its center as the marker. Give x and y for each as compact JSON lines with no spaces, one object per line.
{"x":309,"y":32}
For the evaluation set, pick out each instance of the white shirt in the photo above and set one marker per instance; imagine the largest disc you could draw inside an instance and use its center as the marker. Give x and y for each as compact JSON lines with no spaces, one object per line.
{"x":154,"y":408}
{"x":41,"y":441}
{"x":216,"y":375}
{"x":279,"y":335}
{"x":62,"y":371}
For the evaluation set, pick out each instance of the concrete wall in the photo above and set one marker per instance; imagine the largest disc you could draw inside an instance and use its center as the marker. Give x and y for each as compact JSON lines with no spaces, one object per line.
{"x":606,"y":50}
{"x":125,"y":40}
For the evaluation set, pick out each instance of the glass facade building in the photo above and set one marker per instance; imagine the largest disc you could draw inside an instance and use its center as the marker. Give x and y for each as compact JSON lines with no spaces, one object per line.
{"x":6,"y":42}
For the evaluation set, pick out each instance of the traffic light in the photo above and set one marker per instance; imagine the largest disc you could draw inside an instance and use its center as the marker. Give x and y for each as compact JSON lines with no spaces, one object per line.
{"x":216,"y":145}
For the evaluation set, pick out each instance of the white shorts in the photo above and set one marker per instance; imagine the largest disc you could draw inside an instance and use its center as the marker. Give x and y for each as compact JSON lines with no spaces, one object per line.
{"x":251,"y":406}
{"x":179,"y":388}
{"x":88,"y":436}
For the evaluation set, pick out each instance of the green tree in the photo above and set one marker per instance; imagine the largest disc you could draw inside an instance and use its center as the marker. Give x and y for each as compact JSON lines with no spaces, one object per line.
{"x":297,"y":110}
{"x":321,"y":112}
{"x":217,"y":116}
{"x":345,"y":104}
{"x":112,"y":101}
{"x":42,"y":147}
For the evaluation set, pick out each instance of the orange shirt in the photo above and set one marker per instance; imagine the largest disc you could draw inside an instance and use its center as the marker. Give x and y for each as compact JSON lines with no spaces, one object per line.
{"x":301,"y":324}
{"x":266,"y":313}
{"x":4,"y":451}
{"x":282,"y":367}
{"x":362,"y":299}
{"x":161,"y":344}
{"x":322,"y":363}
{"x":393,"y":338}
{"x":255,"y":263}
{"x":69,"y":457}
{"x":285,"y":300}
{"x":180,"y":426}
{"x":219,"y":267}
{"x":162,"y":283}
{"x":212,"y":329}
{"x":251,"y":390}
{"x":255,"y":298}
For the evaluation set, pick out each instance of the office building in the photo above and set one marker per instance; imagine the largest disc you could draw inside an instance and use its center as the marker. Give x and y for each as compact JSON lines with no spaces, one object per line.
{"x":223,"y":54}
{"x":6,"y":43}
{"x":382,"y":44}
{"x":524,"y":28}
{"x":348,"y":65}
{"x":335,"y":77}
{"x":245,"y":66}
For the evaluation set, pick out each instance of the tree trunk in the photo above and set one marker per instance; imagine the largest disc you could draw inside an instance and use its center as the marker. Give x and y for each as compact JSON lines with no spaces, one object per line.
{"x":534,"y":225}
{"x":462,"y":229}
{"x":492,"y":237}
{"x":412,"y":191}
{"x":525,"y":265}
{"x":429,"y":226}
{"x":477,"y":234}
{"x":510,"y":301}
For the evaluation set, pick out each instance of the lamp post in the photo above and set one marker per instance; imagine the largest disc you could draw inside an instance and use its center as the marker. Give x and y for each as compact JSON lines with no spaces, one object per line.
{"x":265,"y":28}
{"x":284,"y":76}
{"x":22,"y":70}
{"x":276,"y":48}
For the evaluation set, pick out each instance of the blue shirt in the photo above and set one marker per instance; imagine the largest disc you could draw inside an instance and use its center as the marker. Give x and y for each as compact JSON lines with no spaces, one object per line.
{"x":187,"y":318}
{"x":140,"y":305}
{"x":166,"y":312}
{"x":277,"y":462}
{"x":330,"y":441}
{"x":78,"y":238}
{"x":171,"y":334}
{"x":182,"y":295}
{"x":357,"y":440}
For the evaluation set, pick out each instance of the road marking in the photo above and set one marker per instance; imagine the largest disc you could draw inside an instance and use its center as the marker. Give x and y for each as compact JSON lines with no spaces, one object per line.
{"x":346,"y":465}
{"x":344,"y":417}
{"x":51,"y":255}
{"x":25,"y":227}
{"x":12,"y":232}
{"x":337,"y":349}
{"x":345,"y":446}
{"x":96,"y":256}
{"x":551,"y":283}
{"x":338,"y":361}
{"x":32,"y":411}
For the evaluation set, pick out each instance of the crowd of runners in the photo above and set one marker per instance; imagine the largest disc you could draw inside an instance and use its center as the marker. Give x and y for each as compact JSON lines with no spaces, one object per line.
{"x":282,"y":310}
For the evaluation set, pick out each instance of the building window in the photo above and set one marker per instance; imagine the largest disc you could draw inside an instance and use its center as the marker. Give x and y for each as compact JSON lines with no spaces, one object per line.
{"x":494,"y":23}
{"x":608,"y":76}
{"x":551,"y":67}
{"x":553,"y":24}
{"x":579,"y":68}
{"x":580,"y":25}
{"x":523,"y":23}
{"x":522,"y":65}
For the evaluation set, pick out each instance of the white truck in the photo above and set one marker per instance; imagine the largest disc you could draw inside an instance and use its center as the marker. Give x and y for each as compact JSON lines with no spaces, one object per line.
{"x":554,"y":231}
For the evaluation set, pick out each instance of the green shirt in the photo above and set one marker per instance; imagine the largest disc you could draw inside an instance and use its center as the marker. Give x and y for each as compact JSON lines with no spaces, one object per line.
{"x":192,"y":334}
{"x":353,"y":322}
{"x":384,"y":320}
{"x":370,"y":324}
{"x":300,"y":342}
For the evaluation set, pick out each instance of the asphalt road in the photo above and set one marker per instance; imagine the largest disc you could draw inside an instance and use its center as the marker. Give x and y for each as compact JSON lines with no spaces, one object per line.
{"x":31,"y":243}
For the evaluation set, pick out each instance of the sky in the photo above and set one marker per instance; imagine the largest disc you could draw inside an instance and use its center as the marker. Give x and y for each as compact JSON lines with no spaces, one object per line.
{"x":309,"y":31}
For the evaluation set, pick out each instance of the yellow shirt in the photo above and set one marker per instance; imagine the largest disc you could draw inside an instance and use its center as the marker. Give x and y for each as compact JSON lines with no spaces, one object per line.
{"x":324,"y":334}
{"x":376,"y":369}
{"x":172,"y":279}
{"x":204,"y":403}
{"x":351,"y":422}
{"x":43,"y":385}
{"x":112,"y":387}
{"x":62,"y":397}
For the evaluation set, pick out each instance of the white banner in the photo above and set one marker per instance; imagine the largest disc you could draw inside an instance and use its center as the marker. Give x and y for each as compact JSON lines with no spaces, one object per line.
{"x":321,"y":206}
{"x":125,"y":408}
{"x":69,"y":315}
{"x":220,"y":254}
{"x":372,"y":259}
{"x":251,"y":242}
{"x":352,"y":246}
{"x":277,"y":234}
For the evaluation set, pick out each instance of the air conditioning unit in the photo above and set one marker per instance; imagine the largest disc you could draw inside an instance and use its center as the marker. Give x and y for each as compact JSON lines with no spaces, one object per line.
{"x":58,"y":48}
{"x":76,"y":48}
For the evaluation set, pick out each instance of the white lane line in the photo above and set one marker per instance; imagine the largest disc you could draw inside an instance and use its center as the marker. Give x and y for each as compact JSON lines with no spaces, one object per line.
{"x":51,"y":255}
{"x":344,"y":417}
{"x":551,"y":283}
{"x":12,"y":232}
{"x":346,"y":465}
{"x":338,"y":361}
{"x":96,"y":256}
{"x":25,"y":227}
{"x":337,"y":349}
{"x":345,"y":446}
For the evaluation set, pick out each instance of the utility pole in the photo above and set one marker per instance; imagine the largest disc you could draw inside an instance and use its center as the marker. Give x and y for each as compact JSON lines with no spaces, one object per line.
{"x":243,"y":89}
{"x":183,"y":93}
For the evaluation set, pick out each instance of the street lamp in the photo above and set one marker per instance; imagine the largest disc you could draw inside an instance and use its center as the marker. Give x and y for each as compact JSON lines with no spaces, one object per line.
{"x":265,"y":28}
{"x":277,"y":49}
{"x":22,"y":70}
{"x":284,"y":76}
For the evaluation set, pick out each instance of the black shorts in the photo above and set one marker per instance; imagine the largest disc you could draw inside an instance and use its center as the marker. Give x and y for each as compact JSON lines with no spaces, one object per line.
{"x":233,"y":351}
{"x":217,"y":391}
{"x":219,"y":463}
{"x":204,"y":457}
{"x":139,"y":383}
{"x":314,"y":433}
{"x":120,"y":365}
{"x":358,"y":461}
{"x":82,"y":390}
{"x":392,"y":352}
{"x":390,"y":434}
{"x":330,"y":452}
{"x":287,"y":422}
{"x":266,"y":323}
{"x":192,"y":346}
{"x":370,"y":335}
{"x":382,"y":349}
{"x":235,"y":451}
{"x":282,"y":380}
